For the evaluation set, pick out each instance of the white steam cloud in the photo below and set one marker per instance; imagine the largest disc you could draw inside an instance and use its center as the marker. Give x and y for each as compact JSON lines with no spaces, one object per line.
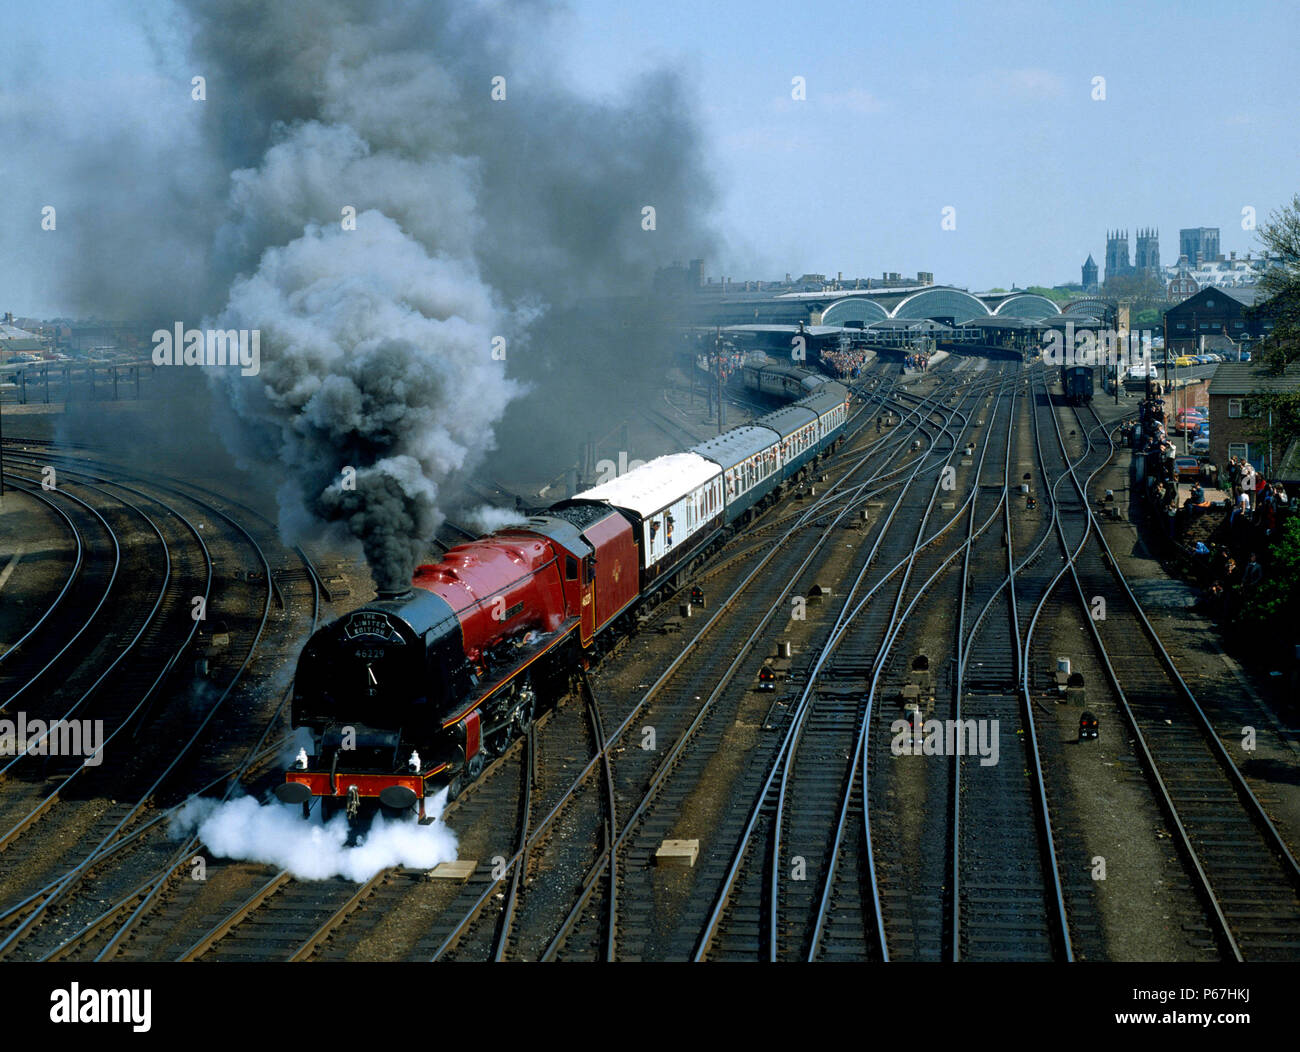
{"x":372,"y":344}
{"x":276,"y":834}
{"x":487,"y":518}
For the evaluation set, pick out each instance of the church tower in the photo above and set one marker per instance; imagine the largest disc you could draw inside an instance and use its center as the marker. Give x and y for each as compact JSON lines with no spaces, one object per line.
{"x":1089,"y":274}
{"x":1117,"y":262}
{"x":1147,"y":259}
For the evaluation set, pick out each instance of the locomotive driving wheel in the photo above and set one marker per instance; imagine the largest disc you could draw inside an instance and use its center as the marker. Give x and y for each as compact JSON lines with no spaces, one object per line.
{"x":525,"y":712}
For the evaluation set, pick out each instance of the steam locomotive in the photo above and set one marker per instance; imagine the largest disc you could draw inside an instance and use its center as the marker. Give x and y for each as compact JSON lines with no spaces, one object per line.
{"x":418,"y":690}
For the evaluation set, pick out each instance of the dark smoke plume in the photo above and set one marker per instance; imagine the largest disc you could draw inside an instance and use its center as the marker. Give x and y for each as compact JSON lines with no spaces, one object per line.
{"x":477,"y":220}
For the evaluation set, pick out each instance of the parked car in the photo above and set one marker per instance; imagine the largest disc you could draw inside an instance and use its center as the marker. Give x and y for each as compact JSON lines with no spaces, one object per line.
{"x":1201,"y":446}
{"x":1184,"y":360}
{"x":1187,"y":469}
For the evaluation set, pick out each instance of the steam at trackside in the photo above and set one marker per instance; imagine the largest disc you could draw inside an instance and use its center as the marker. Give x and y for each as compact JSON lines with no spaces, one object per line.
{"x":272,"y":833}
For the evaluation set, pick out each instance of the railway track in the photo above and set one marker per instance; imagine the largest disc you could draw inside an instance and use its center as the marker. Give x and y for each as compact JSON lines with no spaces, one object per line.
{"x":249,"y":909}
{"x":740,"y":929}
{"x":709,"y":743}
{"x":900,"y":839}
{"x":182,"y":741}
{"x":1009,"y":902}
{"x":589,"y":807}
{"x":1240,"y":863}
{"x":809,"y":804}
{"x":574,"y":927}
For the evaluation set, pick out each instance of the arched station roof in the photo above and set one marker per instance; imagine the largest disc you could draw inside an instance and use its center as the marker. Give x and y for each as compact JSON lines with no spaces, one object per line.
{"x":1027,"y":305}
{"x":941,"y":303}
{"x":856,"y":308}
{"x":1087,"y":305}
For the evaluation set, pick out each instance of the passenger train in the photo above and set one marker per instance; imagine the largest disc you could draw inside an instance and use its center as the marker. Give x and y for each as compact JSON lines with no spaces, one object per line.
{"x":418,"y":690}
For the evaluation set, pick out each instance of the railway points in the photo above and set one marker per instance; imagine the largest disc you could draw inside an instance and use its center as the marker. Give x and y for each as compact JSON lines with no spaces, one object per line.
{"x":720,"y":777}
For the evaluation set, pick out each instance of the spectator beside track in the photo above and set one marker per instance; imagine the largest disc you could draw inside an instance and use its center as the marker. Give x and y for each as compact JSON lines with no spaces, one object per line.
{"x":1248,"y":481}
{"x":1217,"y":599}
{"x":1266,"y":516}
{"x":1251,"y":575}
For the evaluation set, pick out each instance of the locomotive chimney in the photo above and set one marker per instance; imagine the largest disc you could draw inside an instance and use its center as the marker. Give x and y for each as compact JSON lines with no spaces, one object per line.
{"x":389,"y":595}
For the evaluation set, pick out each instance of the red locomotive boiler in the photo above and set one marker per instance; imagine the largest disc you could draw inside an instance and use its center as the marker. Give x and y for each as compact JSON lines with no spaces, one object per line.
{"x":417,"y":690}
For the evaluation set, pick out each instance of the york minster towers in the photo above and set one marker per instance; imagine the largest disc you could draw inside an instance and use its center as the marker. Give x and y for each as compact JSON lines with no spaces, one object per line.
{"x":1117,"y":262}
{"x":1117,"y":258}
{"x":1148,"y":251}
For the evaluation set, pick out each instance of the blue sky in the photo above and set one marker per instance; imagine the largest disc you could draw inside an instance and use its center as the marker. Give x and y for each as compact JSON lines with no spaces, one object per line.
{"x":910,"y":108}
{"x":987,"y":108}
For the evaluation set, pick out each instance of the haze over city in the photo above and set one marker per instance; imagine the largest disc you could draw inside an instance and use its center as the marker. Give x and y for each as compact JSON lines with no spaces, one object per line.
{"x":908,"y":110}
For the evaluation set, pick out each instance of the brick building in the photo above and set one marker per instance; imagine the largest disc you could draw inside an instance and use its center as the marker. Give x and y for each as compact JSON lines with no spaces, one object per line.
{"x":1180,"y":287}
{"x":1235,"y":429}
{"x":1213,"y":312}
{"x":19,"y":344}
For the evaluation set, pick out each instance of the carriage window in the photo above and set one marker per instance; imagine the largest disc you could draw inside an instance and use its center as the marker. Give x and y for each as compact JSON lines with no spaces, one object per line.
{"x":570,"y":568}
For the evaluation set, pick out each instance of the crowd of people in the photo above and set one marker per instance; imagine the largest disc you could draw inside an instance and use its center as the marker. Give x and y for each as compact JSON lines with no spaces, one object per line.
{"x":1257,"y":506}
{"x":731,"y":363}
{"x":1232,"y":562}
{"x":918,"y":361}
{"x":845,"y":364}
{"x":1150,"y":440}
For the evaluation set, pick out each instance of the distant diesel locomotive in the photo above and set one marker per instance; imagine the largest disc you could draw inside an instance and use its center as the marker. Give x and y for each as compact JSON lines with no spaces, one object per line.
{"x":418,"y":690}
{"x":1077,"y":384}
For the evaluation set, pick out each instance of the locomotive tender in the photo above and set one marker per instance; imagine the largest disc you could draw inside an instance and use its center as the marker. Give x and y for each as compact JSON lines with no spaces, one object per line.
{"x":419,"y":690}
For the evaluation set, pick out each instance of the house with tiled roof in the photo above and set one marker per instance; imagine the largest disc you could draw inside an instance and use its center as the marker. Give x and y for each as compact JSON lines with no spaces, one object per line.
{"x":1236,"y":428}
